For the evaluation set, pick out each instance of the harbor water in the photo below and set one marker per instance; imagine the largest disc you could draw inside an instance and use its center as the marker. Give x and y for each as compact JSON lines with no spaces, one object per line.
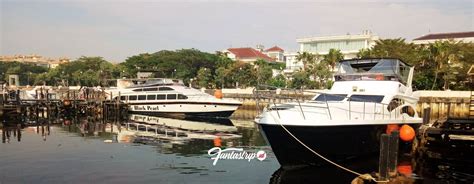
{"x":148,"y":149}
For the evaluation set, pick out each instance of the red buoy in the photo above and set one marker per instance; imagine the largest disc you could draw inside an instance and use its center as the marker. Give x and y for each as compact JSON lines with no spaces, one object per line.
{"x":407,"y":133}
{"x":391,"y":128}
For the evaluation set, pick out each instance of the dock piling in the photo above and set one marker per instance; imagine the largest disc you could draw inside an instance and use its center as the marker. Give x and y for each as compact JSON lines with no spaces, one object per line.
{"x":383,"y":159}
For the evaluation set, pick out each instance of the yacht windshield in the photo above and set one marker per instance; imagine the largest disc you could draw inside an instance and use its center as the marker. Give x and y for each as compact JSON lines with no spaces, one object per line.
{"x":330,"y":97}
{"x":366,"y":98}
{"x":372,"y":69}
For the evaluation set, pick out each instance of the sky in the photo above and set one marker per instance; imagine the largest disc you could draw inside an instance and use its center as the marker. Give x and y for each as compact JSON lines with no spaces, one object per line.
{"x":117,"y":29}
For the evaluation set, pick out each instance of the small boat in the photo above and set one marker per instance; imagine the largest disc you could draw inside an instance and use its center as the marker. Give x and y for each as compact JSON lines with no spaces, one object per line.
{"x":170,"y":97}
{"x":347,"y":121}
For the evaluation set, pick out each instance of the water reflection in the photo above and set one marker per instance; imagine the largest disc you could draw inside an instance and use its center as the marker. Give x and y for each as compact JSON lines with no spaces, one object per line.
{"x":325,"y":173}
{"x":10,"y":132}
{"x":170,"y":136}
{"x":190,"y":136}
{"x":161,"y":146}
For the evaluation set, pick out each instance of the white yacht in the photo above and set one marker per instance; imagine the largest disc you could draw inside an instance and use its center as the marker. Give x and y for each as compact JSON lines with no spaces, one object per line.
{"x":347,"y":121}
{"x":170,"y":97}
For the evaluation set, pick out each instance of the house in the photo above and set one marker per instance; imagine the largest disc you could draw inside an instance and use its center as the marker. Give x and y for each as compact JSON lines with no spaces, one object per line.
{"x":246,"y":54}
{"x":275,"y":53}
{"x":456,"y":36}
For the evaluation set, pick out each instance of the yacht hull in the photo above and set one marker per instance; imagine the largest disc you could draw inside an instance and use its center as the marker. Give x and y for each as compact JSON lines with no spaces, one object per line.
{"x":203,"y":110}
{"x":337,"y":143}
{"x":220,"y":114}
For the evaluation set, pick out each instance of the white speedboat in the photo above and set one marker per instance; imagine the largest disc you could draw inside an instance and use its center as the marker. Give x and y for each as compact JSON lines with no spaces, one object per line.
{"x":170,"y":97}
{"x":347,"y":121}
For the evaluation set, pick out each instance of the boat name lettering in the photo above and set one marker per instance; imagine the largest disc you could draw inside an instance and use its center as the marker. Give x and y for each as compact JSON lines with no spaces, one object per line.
{"x":147,"y":108}
{"x":152,"y":108}
{"x":140,"y":108}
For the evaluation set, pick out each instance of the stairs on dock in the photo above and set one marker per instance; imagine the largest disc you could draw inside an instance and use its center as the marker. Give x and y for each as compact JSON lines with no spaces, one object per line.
{"x":471,"y":106}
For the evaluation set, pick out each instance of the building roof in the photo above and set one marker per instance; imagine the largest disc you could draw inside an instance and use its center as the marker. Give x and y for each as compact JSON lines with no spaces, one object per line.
{"x":446,"y":36}
{"x":274,"y":49}
{"x":247,"y":52}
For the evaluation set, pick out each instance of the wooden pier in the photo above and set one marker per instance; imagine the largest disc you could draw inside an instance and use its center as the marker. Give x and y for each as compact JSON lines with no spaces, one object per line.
{"x":63,"y":103}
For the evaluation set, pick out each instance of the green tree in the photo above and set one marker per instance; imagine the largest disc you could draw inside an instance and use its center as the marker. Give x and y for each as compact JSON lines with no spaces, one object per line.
{"x":365,"y":53}
{"x":263,"y":71}
{"x":333,"y":57}
{"x":244,"y":74}
{"x":300,"y":80}
{"x":279,"y":81}
{"x":222,"y":77}
{"x":307,"y":59}
{"x":204,"y":78}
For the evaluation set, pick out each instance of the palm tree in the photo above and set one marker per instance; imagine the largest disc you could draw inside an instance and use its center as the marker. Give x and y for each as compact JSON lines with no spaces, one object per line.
{"x":333,"y":57}
{"x":365,"y":53}
{"x":443,"y":54}
{"x":306,"y":58}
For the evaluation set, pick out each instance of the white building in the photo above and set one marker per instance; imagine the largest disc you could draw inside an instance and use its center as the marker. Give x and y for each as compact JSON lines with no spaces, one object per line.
{"x":275,"y":53}
{"x":458,"y":36}
{"x":349,"y":45}
{"x":292,"y":63}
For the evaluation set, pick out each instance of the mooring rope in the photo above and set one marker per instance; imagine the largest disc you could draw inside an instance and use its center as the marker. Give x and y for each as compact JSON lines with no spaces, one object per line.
{"x":363,"y":176}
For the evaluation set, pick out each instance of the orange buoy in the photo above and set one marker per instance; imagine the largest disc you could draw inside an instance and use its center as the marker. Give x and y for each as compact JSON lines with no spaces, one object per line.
{"x":218,"y":142}
{"x":407,"y":133}
{"x":218,"y":93}
{"x":391,"y":128}
{"x":67,"y":102}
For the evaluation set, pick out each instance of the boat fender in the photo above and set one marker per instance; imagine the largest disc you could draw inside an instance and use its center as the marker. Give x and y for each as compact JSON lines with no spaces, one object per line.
{"x":391,"y":128}
{"x":379,"y":77}
{"x":218,"y":93}
{"x":407,"y":133}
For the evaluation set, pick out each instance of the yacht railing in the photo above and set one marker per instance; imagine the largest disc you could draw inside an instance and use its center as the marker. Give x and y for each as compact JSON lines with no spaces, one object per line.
{"x":390,"y":112}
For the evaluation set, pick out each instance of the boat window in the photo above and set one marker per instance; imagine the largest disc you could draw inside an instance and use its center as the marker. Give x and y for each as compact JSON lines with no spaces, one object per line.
{"x":171,"y":96}
{"x":330,"y":97}
{"x":138,"y":89}
{"x":180,"y":96}
{"x":161,"y":97}
{"x":124,"y":98}
{"x":133,"y":97}
{"x":366,"y":98}
{"x":151,"y":97}
{"x":150,"y":89}
{"x":166,"y":89}
{"x":141,"y":97}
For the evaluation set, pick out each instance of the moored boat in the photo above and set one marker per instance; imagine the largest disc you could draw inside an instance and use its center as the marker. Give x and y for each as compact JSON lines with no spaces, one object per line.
{"x":170,"y":97}
{"x":347,"y":121}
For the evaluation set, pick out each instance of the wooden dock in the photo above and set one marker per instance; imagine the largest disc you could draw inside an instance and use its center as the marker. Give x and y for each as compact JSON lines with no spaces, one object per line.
{"x":61,"y":104}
